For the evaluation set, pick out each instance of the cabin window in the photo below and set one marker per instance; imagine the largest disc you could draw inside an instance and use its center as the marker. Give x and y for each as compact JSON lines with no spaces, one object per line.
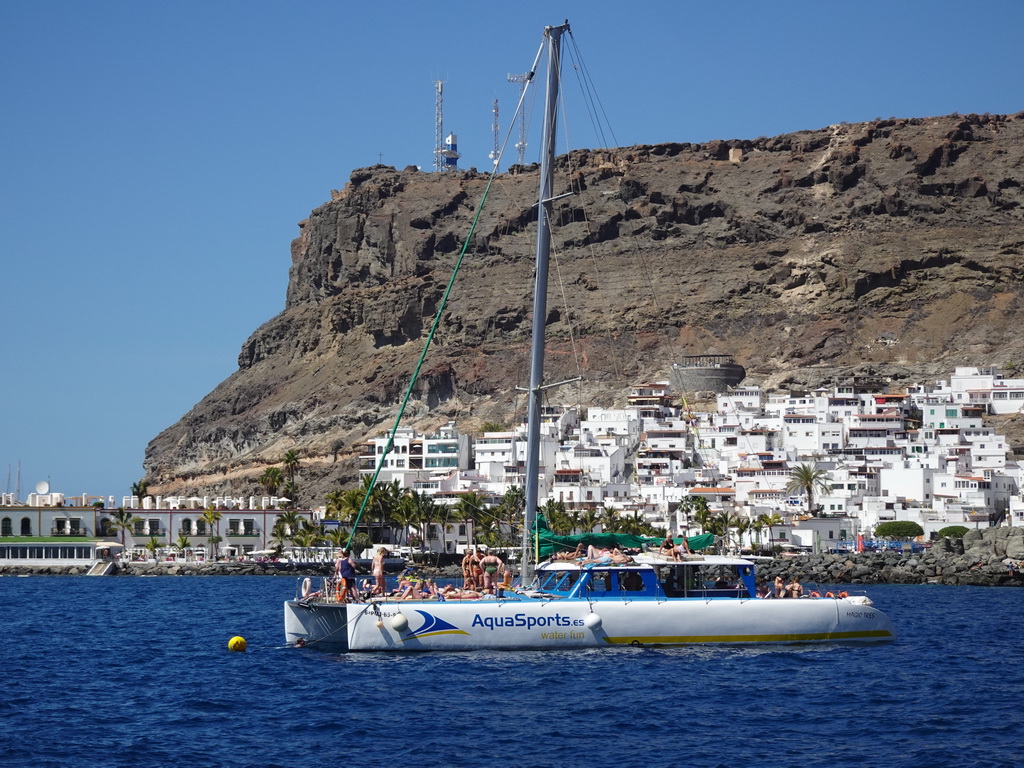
{"x":600,"y":581}
{"x":631,"y":581}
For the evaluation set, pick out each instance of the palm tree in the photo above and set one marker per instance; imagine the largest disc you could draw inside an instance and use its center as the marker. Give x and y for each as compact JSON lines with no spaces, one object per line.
{"x":271,"y":479}
{"x":153,"y":545}
{"x":701,"y":513}
{"x":471,"y":508}
{"x":558,"y":518}
{"x":589,"y":519}
{"x":182,"y":543}
{"x":609,"y":519}
{"x":757,"y":526}
{"x":291,"y":490}
{"x":406,"y":515}
{"x":805,"y":478}
{"x":140,"y":489}
{"x":513,"y":502}
{"x":212,"y":518}
{"x":768,"y":520}
{"x":122,"y":520}
{"x":291,"y":464}
{"x":291,"y":519}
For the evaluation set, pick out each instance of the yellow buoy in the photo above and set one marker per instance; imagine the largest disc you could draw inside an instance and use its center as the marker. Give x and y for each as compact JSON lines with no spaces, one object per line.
{"x":236,"y":644}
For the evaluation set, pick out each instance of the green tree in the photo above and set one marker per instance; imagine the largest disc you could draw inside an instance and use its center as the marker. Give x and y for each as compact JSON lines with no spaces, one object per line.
{"x":769,"y":520}
{"x":140,"y":489}
{"x":700,"y":513}
{"x":271,"y":479}
{"x":182,"y":543}
{"x":291,"y":464}
{"x":212,"y":518}
{"x":152,"y":545}
{"x":558,"y":518}
{"x":900,"y":530}
{"x":122,"y":521}
{"x":471,"y":508}
{"x":609,"y":519}
{"x":807,"y":479}
{"x":292,"y":522}
{"x":953,"y":531}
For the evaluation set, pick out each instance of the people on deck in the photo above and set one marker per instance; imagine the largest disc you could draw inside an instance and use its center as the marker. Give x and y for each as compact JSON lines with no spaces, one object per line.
{"x":794,"y":588}
{"x":684,"y":545}
{"x":605,"y":556}
{"x":377,"y":569}
{"x":490,"y":564}
{"x":575,"y":554}
{"x":779,"y":587}
{"x":467,"y":569}
{"x":668,"y":549}
{"x":345,"y":569}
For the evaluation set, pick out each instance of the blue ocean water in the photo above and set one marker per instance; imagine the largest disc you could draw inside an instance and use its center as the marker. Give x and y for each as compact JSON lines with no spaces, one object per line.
{"x":135,"y":672}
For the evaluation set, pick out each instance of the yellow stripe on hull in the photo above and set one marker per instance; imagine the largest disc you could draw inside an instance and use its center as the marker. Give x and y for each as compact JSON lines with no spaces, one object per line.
{"x":791,"y":638}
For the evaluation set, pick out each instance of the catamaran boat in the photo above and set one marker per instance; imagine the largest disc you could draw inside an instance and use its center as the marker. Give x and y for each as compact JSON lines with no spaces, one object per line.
{"x":646,"y":599}
{"x":707,"y":599}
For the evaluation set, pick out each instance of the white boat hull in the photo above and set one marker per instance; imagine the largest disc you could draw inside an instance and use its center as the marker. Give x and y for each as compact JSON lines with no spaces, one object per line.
{"x":565,"y":624}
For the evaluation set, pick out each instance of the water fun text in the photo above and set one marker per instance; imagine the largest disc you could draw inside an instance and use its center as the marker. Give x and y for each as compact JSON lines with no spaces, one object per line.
{"x":529,"y":622}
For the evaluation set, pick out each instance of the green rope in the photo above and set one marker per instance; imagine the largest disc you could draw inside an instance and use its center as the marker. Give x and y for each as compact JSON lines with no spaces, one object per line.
{"x":423,"y":357}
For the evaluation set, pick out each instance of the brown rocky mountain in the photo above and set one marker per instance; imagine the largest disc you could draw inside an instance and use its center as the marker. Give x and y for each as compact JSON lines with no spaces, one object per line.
{"x":894,"y":245}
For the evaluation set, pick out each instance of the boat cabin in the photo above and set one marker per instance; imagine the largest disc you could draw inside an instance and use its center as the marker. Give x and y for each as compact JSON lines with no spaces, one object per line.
{"x":707,"y":578}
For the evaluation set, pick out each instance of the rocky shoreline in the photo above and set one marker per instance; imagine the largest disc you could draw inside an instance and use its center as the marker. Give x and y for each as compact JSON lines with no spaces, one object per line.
{"x":989,"y":557}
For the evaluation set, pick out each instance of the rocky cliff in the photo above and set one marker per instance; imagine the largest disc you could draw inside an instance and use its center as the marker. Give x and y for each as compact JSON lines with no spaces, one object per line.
{"x":894,"y":246}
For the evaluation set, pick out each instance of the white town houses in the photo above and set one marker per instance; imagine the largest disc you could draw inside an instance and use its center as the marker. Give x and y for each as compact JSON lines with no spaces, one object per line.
{"x":922,"y":454}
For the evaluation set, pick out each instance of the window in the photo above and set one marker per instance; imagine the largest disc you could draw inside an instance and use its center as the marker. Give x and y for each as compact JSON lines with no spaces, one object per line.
{"x":6,"y":529}
{"x":200,"y":527}
{"x":26,"y":526}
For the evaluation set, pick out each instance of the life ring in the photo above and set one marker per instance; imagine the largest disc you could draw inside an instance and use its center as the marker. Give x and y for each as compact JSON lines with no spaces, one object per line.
{"x":339,"y":591}
{"x":306,"y":586}
{"x":815,"y":594}
{"x":829,"y":594}
{"x":844,"y":594}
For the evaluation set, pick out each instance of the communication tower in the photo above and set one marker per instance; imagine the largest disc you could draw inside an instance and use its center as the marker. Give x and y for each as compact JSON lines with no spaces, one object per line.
{"x":496,"y":126}
{"x":446,"y":150}
{"x":438,"y":125}
{"x":521,"y":144}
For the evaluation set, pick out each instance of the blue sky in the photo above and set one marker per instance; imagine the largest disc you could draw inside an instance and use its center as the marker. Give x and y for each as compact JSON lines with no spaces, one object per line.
{"x":155,"y":157}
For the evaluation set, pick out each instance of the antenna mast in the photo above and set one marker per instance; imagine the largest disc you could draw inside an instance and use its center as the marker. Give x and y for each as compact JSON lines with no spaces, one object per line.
{"x":522,"y":80}
{"x":438,"y":125}
{"x":496,"y":126}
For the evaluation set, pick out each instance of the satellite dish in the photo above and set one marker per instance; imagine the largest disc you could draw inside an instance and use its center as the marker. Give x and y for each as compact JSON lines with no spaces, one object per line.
{"x":42,"y":487}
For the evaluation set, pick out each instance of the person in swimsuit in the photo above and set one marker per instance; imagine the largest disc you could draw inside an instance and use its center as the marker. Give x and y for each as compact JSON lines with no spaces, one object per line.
{"x":795,"y":588}
{"x":668,"y":549}
{"x":346,"y":570}
{"x":377,"y":568}
{"x":467,"y":569}
{"x":779,"y":588}
{"x":490,"y":565}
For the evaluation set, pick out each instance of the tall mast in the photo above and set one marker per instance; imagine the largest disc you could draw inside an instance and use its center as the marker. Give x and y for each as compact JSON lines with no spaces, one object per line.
{"x":540,"y":291}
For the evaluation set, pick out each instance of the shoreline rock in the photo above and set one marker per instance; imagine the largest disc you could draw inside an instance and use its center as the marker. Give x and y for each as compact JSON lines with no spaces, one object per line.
{"x":989,"y":557}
